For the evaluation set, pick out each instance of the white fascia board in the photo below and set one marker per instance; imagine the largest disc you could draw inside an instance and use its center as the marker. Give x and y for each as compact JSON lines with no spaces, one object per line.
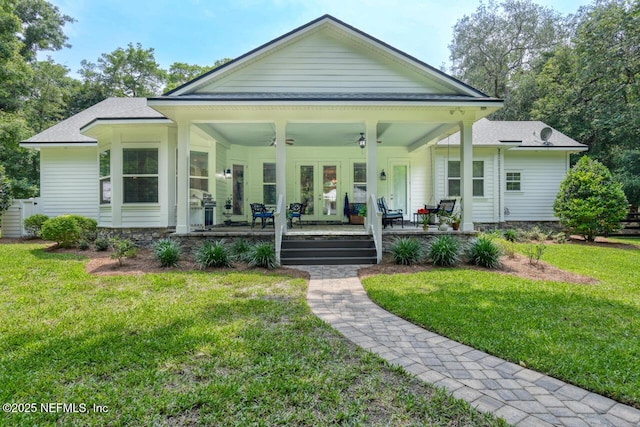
{"x":39,"y":145}
{"x":126,"y":122}
{"x":549,"y":148}
{"x":443,"y":104}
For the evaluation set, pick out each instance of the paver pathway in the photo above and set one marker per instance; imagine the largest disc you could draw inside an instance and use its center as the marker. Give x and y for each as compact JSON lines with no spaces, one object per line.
{"x":521,"y":396}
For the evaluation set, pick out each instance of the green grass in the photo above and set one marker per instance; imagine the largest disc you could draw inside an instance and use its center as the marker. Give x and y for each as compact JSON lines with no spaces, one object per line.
{"x":190,"y":348}
{"x":587,"y":335}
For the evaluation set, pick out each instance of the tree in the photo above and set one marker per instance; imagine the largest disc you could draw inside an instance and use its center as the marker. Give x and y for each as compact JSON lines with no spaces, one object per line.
{"x":180,"y":72}
{"x":14,"y":71}
{"x":128,"y":72}
{"x":41,"y":27}
{"x":499,"y":40}
{"x":590,"y":202}
{"x":5,"y":192}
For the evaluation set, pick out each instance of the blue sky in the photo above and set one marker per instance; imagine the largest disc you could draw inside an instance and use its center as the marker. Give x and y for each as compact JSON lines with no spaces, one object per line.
{"x":203,"y":31}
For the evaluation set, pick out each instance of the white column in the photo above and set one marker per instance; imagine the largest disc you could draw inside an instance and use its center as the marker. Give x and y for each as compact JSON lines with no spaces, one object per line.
{"x":371,"y":134}
{"x":183,"y":225}
{"x":281,"y":171}
{"x":466,"y":175}
{"x":117,"y":195}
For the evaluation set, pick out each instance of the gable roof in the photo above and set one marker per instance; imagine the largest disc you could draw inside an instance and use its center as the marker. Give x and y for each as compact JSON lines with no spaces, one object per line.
{"x":203,"y":87}
{"x":68,"y":130}
{"x":522,"y":134}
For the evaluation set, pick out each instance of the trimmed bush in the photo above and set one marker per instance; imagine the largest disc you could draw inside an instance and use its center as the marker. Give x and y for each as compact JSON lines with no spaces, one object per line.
{"x":484,"y":252}
{"x":262,"y":255}
{"x":63,"y":229}
{"x":88,"y":227}
{"x":102,"y":244}
{"x":445,"y":251}
{"x":212,"y":254}
{"x":167,"y":252}
{"x":34,"y":223}
{"x":406,"y":251}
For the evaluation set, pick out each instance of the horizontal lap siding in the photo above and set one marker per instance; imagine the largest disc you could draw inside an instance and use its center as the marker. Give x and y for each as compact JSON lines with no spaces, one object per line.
{"x":69,"y":181}
{"x":12,"y":221}
{"x":322,"y":64}
{"x":140,"y":216}
{"x":541,"y":174}
{"x":106,"y":216}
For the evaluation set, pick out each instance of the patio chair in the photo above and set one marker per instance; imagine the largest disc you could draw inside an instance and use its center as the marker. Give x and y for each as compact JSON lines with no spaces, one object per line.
{"x":389,"y":215}
{"x":295,"y":211}
{"x":446,"y":206}
{"x":258,"y":210}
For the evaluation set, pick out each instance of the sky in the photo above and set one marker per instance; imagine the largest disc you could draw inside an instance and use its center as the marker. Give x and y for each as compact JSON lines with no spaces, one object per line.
{"x":203,"y":31}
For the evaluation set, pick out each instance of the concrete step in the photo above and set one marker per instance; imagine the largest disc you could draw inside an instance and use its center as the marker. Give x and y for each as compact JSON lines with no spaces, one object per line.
{"x":302,"y":250}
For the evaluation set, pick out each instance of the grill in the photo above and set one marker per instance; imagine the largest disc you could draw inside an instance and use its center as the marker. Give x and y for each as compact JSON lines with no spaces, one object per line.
{"x":209,"y":208}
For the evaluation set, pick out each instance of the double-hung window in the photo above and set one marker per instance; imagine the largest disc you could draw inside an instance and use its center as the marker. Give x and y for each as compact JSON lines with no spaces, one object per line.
{"x":105,"y":177}
{"x":359,"y":183}
{"x":199,"y":170}
{"x":140,"y":175}
{"x":269,"y":183}
{"x":514,"y":181}
{"x":453,"y":178}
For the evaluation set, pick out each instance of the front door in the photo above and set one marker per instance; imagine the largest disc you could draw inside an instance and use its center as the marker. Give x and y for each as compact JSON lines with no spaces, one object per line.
{"x":399,"y":194}
{"x":319,"y":190}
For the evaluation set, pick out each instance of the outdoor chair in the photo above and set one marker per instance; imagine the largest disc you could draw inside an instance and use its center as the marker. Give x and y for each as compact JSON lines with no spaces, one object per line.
{"x":446,"y":206}
{"x":258,"y":210}
{"x":389,"y":215}
{"x":295,"y":211}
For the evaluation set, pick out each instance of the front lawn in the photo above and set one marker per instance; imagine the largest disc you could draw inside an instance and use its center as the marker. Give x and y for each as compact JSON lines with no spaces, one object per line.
{"x":588,"y":335}
{"x":188,"y":348}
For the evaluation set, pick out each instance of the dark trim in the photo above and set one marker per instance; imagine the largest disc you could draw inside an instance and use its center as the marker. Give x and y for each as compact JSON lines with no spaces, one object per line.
{"x":311,"y":23}
{"x":115,"y":119}
{"x":334,"y":98}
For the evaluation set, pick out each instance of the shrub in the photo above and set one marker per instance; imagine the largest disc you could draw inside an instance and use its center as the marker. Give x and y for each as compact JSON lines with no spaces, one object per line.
{"x":83,"y":245}
{"x":590,"y":202}
{"x":33,"y":224}
{"x":212,"y":254}
{"x":560,"y":238}
{"x":445,"y":251}
{"x":406,"y":251}
{"x":88,"y":227}
{"x":240,"y":249}
{"x":63,"y":230}
{"x":508,"y":248}
{"x":122,"y":248}
{"x":102,"y":244}
{"x":262,"y":255}
{"x":167,"y":252}
{"x":510,"y":235}
{"x":484,"y":252}
{"x":535,"y":252}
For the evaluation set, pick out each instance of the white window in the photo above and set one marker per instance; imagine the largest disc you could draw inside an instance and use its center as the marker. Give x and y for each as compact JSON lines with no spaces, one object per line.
{"x":359,"y":183}
{"x":199,"y":171}
{"x":269,"y":183}
{"x":514,"y":181}
{"x":453,"y":178}
{"x":105,"y":177}
{"x":140,"y":175}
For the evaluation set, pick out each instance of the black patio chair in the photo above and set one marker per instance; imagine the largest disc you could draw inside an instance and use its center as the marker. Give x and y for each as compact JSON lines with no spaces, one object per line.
{"x":258,"y":210}
{"x":389,"y":215}
{"x":296,"y":210}
{"x":446,"y":206}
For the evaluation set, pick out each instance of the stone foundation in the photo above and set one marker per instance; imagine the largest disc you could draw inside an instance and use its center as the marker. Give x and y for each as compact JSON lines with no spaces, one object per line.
{"x":555,"y":226}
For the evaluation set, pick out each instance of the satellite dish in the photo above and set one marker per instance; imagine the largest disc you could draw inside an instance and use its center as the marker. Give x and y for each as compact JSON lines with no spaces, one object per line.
{"x":545,"y":134}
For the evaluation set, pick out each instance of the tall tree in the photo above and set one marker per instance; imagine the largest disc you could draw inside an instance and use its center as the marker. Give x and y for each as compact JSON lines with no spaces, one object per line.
{"x":41,"y":27}
{"x":179,"y":72}
{"x":14,"y":71}
{"x":126,"y":72}
{"x":501,"y":39}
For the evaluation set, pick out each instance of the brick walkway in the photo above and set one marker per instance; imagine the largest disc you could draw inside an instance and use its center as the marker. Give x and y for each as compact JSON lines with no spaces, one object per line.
{"x":521,"y":396}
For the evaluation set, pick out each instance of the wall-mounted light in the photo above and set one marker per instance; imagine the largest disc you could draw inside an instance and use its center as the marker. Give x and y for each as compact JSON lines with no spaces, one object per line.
{"x":383,"y":175}
{"x":362,"y":141}
{"x":227,"y":173}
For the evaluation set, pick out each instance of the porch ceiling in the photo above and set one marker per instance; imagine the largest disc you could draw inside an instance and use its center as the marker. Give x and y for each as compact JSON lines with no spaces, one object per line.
{"x":391,"y":134}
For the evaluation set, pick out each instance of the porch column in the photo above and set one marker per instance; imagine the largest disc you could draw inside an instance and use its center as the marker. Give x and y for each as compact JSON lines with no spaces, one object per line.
{"x":466,"y":175}
{"x":281,"y":171}
{"x":371,"y":133}
{"x":183,"y":224}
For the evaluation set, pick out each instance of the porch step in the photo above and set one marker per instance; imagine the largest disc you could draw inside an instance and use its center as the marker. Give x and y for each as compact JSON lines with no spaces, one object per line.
{"x":327,"y":251}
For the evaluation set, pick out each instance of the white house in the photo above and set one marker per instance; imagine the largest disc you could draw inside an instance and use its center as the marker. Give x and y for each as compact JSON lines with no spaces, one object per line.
{"x":314,"y":114}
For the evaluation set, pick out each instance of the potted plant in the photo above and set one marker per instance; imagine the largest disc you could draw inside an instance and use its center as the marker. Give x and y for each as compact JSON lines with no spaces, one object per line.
{"x":426,"y":221}
{"x":445,"y":219}
{"x":227,"y":204}
{"x":362,"y":210}
{"x":455,"y":220}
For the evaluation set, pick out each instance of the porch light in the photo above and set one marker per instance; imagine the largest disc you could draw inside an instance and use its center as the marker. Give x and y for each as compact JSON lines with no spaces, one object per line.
{"x":227,"y":173}
{"x":362,"y":141}
{"x":383,"y":176}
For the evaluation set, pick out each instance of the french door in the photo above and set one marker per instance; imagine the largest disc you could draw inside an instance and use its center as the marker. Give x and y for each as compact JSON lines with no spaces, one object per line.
{"x":319,"y":190}
{"x":399,"y":188}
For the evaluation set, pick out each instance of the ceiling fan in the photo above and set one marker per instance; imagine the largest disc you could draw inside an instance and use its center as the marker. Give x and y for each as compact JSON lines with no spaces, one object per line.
{"x":288,"y":141}
{"x":362,"y":141}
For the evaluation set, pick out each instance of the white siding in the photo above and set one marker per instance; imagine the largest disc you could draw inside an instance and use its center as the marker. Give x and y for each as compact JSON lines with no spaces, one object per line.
{"x":106,"y":216}
{"x":541,"y":174}
{"x":12,"y":221}
{"x":69,"y":181}
{"x":322,"y":63}
{"x":141,"y":215}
